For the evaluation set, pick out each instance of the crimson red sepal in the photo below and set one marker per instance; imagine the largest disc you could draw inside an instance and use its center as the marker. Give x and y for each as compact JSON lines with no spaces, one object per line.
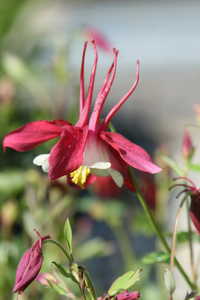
{"x":32,"y":134}
{"x":67,"y":154}
{"x":130,"y":153}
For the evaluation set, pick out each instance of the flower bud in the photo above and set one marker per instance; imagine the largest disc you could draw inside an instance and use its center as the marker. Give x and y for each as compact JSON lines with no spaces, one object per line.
{"x":29,"y":266}
{"x":187,"y":146}
{"x":128,"y":296}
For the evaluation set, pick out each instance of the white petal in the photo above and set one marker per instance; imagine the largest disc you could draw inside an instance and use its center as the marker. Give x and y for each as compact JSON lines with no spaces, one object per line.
{"x":117,"y":177}
{"x":101,"y":165}
{"x":43,"y":161}
{"x":100,"y":168}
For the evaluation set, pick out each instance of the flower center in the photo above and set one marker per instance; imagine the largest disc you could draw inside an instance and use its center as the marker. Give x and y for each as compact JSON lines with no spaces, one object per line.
{"x":79,"y":176}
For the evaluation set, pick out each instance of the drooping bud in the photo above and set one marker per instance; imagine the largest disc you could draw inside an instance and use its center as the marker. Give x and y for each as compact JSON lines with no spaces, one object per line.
{"x":195,"y":209}
{"x":194,"y":193}
{"x":29,"y":266}
{"x":187,"y":146}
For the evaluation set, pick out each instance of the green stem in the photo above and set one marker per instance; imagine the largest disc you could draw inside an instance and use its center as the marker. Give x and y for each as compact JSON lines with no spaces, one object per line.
{"x":69,"y":257}
{"x":190,"y":243}
{"x":162,"y":238}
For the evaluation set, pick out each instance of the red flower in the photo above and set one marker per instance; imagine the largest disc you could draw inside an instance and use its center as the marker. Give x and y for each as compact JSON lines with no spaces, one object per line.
{"x":87,"y":149}
{"x":29,"y":266}
{"x":194,"y":193}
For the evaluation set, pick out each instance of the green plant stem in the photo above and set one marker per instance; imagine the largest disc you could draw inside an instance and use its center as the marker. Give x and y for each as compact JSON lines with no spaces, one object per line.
{"x":194,"y":274}
{"x":162,"y":238}
{"x":70,"y":258}
{"x":174,"y":233}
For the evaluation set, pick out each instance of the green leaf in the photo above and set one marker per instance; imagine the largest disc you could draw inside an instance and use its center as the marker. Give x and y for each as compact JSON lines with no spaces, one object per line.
{"x":64,"y":272}
{"x":172,"y":164}
{"x":68,"y":235}
{"x":124,"y":282}
{"x":156,"y":257}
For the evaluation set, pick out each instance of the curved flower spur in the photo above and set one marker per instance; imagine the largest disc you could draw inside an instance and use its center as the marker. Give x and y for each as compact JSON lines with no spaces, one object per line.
{"x":190,"y":189}
{"x":87,"y":149}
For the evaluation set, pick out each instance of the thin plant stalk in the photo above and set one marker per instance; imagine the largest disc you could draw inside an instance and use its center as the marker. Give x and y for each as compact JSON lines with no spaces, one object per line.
{"x":71,"y":260}
{"x":191,"y":250}
{"x":61,"y":248}
{"x":173,"y":248}
{"x":161,"y":237}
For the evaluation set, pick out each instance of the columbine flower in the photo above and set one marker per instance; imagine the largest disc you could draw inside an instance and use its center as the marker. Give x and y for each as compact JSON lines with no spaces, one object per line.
{"x":29,"y":265}
{"x":87,"y":149}
{"x":194,"y":192}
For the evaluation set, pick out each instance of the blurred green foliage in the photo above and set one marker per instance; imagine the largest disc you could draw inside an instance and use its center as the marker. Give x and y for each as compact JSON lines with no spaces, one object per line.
{"x":9,"y":10}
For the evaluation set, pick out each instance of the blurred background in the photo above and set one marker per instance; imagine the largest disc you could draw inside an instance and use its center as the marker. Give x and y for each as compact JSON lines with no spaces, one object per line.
{"x":40,"y":54}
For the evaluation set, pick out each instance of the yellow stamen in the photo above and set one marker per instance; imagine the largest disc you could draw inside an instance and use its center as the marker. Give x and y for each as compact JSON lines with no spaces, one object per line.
{"x":79,"y":176}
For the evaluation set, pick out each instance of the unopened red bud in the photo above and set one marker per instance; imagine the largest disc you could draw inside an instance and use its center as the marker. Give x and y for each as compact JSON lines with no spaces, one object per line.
{"x":29,"y":266}
{"x":128,"y":296}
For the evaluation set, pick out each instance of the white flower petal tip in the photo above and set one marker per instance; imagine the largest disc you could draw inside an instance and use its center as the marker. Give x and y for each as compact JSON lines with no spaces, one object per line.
{"x":117,"y":177}
{"x":102,"y":165}
{"x":43,"y":161}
